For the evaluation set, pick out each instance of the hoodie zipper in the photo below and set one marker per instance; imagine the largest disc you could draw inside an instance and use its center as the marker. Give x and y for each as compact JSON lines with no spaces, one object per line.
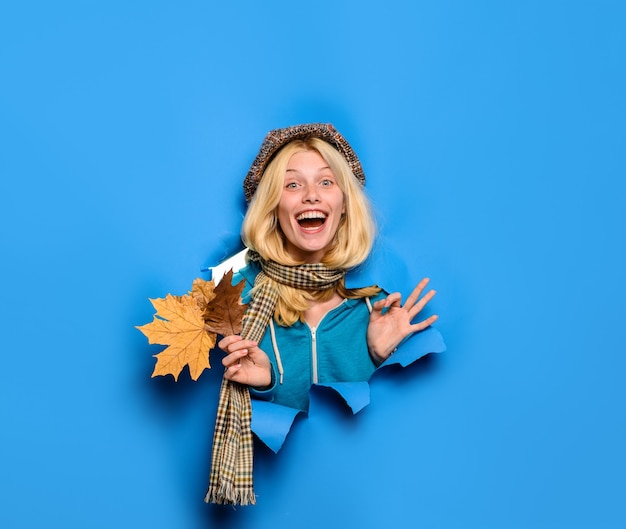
{"x":314,"y":373}
{"x":314,"y":377}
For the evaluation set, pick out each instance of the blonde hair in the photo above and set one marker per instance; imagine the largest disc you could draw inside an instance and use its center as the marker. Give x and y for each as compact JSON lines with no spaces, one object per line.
{"x":352,"y":242}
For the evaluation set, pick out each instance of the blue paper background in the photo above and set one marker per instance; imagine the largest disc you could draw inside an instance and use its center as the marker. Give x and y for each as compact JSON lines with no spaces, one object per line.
{"x":492,"y":135}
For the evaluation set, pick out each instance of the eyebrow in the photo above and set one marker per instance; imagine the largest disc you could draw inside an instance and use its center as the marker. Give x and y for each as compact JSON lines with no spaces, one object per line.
{"x":319,"y":170}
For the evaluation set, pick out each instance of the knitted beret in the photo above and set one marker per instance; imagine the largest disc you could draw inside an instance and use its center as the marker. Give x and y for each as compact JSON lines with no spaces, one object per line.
{"x":278,"y":138}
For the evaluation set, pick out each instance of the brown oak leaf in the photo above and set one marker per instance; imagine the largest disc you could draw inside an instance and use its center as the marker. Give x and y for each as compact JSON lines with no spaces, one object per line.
{"x":179,"y":324}
{"x":224,"y":313}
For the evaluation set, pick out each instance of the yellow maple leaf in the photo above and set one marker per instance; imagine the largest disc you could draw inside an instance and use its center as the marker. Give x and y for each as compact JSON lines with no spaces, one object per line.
{"x":179,"y":324}
{"x":203,"y":292}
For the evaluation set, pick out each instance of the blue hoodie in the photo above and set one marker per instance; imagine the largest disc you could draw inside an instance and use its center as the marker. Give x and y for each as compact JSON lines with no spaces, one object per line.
{"x":335,"y":351}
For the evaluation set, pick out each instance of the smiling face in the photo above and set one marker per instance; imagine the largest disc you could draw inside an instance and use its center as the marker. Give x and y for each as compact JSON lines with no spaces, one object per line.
{"x":310,"y":208}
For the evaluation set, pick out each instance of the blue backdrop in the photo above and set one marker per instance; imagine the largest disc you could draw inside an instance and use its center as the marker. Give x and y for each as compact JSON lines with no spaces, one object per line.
{"x":492,"y":135}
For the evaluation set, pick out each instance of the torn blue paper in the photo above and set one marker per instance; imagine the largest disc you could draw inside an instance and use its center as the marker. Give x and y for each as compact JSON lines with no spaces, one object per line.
{"x":271,"y":423}
{"x":421,"y":343}
{"x":356,"y":394}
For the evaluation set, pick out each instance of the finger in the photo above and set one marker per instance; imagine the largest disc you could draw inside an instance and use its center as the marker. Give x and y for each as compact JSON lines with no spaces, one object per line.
{"x":382,"y":304}
{"x":228,"y":340}
{"x":379,"y":305}
{"x":417,"y":327}
{"x":243,"y":344}
{"x":231,"y":371}
{"x":417,"y":292}
{"x":421,"y":303}
{"x":239,"y":345}
{"x":234,"y":358}
{"x":393,"y":299}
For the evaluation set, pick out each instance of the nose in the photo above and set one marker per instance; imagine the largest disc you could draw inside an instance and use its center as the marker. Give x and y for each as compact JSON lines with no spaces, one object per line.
{"x":311,"y":194}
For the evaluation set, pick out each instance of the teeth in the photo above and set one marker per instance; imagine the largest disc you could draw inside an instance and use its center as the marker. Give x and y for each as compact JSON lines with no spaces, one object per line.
{"x":311,"y":215}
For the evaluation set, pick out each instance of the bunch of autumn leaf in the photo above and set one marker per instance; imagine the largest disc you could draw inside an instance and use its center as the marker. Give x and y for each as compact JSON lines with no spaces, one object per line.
{"x":189,"y":325}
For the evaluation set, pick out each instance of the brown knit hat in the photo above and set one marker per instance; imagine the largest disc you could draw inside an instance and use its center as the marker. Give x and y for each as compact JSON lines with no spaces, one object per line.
{"x":276,"y":139}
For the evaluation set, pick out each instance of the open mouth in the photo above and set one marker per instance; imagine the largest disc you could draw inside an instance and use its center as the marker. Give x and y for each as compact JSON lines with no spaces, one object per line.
{"x":310,"y":220}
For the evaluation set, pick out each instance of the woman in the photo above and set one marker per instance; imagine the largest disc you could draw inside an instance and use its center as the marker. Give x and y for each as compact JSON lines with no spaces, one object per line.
{"x":308,"y":211}
{"x":307,"y":224}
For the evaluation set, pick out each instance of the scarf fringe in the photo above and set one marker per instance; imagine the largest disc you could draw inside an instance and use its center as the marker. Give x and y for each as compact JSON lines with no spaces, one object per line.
{"x":226,"y":495}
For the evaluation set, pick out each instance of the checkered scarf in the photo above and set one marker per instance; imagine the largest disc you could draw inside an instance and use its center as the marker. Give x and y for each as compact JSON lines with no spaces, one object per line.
{"x":231,"y":462}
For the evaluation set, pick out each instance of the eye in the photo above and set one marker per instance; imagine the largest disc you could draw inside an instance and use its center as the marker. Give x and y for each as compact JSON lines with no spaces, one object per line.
{"x":327,"y":182}
{"x":291,"y":185}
